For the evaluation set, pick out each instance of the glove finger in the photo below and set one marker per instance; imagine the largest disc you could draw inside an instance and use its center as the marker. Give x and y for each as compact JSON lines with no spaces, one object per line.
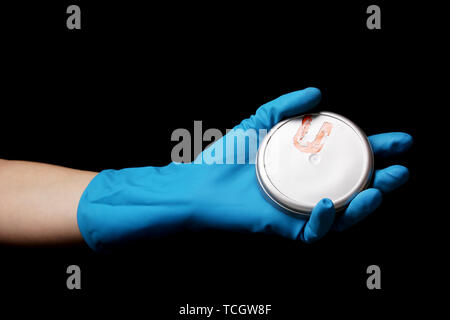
{"x":320,"y":222}
{"x":390,"y":178}
{"x":360,"y":207}
{"x":287,"y":105}
{"x":391,"y":143}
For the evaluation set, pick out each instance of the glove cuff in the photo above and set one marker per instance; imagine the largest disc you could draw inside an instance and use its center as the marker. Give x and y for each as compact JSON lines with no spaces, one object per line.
{"x":120,"y":206}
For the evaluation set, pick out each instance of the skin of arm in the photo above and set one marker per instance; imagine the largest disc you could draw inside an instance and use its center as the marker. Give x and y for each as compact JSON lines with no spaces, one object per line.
{"x":38,"y":203}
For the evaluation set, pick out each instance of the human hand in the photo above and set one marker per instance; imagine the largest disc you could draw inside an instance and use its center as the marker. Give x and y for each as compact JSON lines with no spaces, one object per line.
{"x":227,"y":194}
{"x":219,"y":190}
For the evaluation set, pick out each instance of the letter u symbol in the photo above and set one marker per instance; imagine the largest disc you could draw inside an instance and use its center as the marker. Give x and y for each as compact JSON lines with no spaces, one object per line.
{"x":316,"y":145}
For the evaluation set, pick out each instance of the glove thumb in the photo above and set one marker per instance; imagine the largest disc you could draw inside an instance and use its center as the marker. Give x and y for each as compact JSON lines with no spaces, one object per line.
{"x":287,"y":105}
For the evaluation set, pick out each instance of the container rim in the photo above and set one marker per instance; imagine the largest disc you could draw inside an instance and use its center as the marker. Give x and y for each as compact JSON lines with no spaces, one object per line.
{"x":291,"y":206}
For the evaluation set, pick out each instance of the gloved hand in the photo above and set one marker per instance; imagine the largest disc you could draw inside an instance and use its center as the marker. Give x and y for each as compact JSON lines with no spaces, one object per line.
{"x":129,"y":204}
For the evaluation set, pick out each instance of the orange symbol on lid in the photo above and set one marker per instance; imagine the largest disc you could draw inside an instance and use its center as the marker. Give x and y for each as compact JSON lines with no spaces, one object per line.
{"x":316,"y":145}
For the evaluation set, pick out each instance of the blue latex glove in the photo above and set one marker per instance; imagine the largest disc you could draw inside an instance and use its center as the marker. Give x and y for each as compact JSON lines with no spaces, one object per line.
{"x":135,"y":203}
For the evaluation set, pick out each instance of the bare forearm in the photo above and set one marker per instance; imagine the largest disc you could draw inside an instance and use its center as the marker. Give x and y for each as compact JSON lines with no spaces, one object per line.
{"x":38,"y":202}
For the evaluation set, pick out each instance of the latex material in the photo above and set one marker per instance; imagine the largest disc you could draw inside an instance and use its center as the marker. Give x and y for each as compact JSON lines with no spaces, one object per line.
{"x":129,"y":204}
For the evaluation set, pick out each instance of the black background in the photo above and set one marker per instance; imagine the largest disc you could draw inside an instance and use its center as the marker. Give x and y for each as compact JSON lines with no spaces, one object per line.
{"x":110,"y":95}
